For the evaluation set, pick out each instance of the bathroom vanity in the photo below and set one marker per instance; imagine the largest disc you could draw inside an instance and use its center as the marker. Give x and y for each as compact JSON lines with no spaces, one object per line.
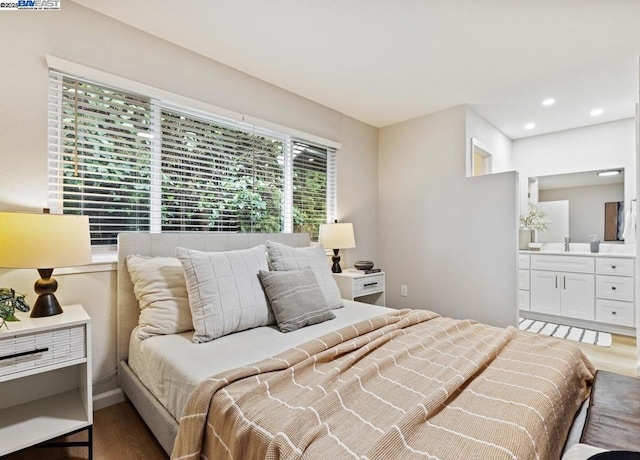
{"x":579,"y":288}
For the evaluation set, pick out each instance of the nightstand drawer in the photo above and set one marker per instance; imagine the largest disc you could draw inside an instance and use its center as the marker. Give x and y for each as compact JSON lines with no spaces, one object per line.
{"x":368,"y":284}
{"x":23,"y":352}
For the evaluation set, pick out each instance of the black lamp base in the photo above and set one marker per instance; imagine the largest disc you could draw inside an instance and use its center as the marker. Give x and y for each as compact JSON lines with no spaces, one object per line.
{"x":46,"y":304}
{"x":336,"y":262}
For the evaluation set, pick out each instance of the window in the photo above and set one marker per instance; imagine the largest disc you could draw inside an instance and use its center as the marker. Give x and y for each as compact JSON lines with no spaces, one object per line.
{"x":134,"y":163}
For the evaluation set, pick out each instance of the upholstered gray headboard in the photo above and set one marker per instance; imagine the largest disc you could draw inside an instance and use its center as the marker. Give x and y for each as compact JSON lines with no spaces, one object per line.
{"x":164,"y":244}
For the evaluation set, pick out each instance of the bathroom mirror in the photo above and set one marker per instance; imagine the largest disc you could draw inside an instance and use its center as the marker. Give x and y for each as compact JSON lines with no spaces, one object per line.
{"x":587,"y":192}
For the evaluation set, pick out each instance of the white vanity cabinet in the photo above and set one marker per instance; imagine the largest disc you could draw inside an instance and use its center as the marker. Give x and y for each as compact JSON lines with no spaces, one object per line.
{"x":588,"y":290}
{"x":563,"y":285}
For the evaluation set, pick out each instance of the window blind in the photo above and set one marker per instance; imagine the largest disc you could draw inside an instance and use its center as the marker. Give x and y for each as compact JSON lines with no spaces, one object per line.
{"x":99,"y":163}
{"x":219,"y":177}
{"x":310,"y":187}
{"x":133,"y":163}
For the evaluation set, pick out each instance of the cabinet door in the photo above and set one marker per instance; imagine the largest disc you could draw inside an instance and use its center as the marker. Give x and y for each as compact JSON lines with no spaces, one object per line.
{"x":523,"y":300}
{"x":545,"y":294}
{"x":578,"y":295}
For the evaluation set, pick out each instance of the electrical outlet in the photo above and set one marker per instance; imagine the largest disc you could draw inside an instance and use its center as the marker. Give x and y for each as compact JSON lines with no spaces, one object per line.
{"x":404,"y":290}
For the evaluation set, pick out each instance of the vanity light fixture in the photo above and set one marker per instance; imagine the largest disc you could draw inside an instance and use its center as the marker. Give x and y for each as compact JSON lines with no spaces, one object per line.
{"x":548,"y":102}
{"x":609,"y":172}
{"x":529,"y":126}
{"x":596,"y":112}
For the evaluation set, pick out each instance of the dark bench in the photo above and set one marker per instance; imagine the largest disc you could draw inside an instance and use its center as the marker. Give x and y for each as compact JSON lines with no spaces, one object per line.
{"x":613,"y":417}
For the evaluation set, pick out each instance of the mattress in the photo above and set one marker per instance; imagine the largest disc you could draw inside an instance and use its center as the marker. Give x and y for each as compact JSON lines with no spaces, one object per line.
{"x":171,"y":366}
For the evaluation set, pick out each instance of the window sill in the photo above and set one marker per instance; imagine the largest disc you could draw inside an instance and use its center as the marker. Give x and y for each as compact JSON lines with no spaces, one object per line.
{"x":100,"y":262}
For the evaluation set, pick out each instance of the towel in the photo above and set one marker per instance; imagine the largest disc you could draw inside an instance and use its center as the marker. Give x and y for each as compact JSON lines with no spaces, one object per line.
{"x":629,"y":234}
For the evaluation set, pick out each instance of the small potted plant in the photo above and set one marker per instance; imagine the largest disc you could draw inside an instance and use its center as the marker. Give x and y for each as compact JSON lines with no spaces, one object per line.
{"x":9,"y":301}
{"x":530,"y":223}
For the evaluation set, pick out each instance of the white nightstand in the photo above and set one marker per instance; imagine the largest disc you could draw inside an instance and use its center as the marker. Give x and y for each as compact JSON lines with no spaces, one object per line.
{"x":45,"y":379}
{"x":363,"y":288}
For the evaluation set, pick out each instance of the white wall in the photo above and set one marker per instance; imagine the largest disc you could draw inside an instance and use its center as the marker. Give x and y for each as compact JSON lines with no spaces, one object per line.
{"x":449,"y":238}
{"x":603,"y":146}
{"x":85,"y":37}
{"x":494,"y":140}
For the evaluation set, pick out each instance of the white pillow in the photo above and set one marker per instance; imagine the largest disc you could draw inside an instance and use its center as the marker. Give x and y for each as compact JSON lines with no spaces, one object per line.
{"x":225,"y":294}
{"x":283,"y":257}
{"x":159,"y":286}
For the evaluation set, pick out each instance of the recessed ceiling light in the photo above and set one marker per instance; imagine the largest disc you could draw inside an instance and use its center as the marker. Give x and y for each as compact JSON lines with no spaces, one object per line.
{"x":529,"y":126}
{"x":548,"y":102}
{"x":596,"y":112}
{"x":609,"y":172}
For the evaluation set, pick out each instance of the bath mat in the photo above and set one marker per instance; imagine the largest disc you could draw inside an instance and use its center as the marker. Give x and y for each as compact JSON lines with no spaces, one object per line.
{"x":559,"y":331}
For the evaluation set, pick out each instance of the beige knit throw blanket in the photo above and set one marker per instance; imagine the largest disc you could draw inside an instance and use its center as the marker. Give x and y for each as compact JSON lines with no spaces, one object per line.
{"x":406,"y":385}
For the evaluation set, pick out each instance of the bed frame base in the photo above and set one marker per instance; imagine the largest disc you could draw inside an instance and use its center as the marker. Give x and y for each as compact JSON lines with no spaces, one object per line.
{"x":158,"y":419}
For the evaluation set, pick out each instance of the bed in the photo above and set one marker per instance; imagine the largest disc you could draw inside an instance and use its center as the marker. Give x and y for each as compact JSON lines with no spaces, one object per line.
{"x":307,"y":380}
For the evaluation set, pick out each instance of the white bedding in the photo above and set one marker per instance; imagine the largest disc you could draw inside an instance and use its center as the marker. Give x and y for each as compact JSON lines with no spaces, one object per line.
{"x":171,"y":366}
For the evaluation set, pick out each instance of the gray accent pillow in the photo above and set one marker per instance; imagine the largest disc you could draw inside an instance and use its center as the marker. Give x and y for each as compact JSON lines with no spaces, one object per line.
{"x":296,"y":298}
{"x":283,"y":257}
{"x":225,"y":294}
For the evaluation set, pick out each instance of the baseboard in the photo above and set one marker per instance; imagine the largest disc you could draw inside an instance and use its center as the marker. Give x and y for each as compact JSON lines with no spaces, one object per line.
{"x":108,"y":398}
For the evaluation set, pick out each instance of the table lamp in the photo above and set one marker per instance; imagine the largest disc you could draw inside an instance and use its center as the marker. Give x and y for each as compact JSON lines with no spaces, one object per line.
{"x":48,"y":241}
{"x":337,"y":236}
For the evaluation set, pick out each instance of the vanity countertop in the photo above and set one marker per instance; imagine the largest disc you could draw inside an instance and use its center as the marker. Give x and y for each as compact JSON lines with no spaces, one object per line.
{"x":624,"y":251}
{"x":581,"y":254}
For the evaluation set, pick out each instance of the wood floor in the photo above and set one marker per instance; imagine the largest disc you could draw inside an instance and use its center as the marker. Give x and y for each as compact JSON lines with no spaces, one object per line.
{"x":621,"y":357}
{"x":120,"y":434}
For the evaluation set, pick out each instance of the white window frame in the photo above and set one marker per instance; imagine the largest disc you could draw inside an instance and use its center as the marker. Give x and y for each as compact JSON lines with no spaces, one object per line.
{"x":163,"y":99}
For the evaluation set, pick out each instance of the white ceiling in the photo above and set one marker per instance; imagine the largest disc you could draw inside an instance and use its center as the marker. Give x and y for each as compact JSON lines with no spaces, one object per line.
{"x":386,"y":61}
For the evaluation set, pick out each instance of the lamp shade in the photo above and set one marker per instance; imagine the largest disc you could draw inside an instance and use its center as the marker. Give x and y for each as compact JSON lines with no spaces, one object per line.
{"x":337,"y":236}
{"x":43,"y":240}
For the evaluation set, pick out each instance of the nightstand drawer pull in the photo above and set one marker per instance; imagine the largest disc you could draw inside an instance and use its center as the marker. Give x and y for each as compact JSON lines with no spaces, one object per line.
{"x":24,"y":353}
{"x":370,"y":284}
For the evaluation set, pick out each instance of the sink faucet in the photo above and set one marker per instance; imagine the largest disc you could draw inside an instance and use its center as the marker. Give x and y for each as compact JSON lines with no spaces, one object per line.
{"x":567,"y":242}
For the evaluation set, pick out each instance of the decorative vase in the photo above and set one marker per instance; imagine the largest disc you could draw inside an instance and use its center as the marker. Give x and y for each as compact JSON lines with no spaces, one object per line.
{"x":525,"y":237}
